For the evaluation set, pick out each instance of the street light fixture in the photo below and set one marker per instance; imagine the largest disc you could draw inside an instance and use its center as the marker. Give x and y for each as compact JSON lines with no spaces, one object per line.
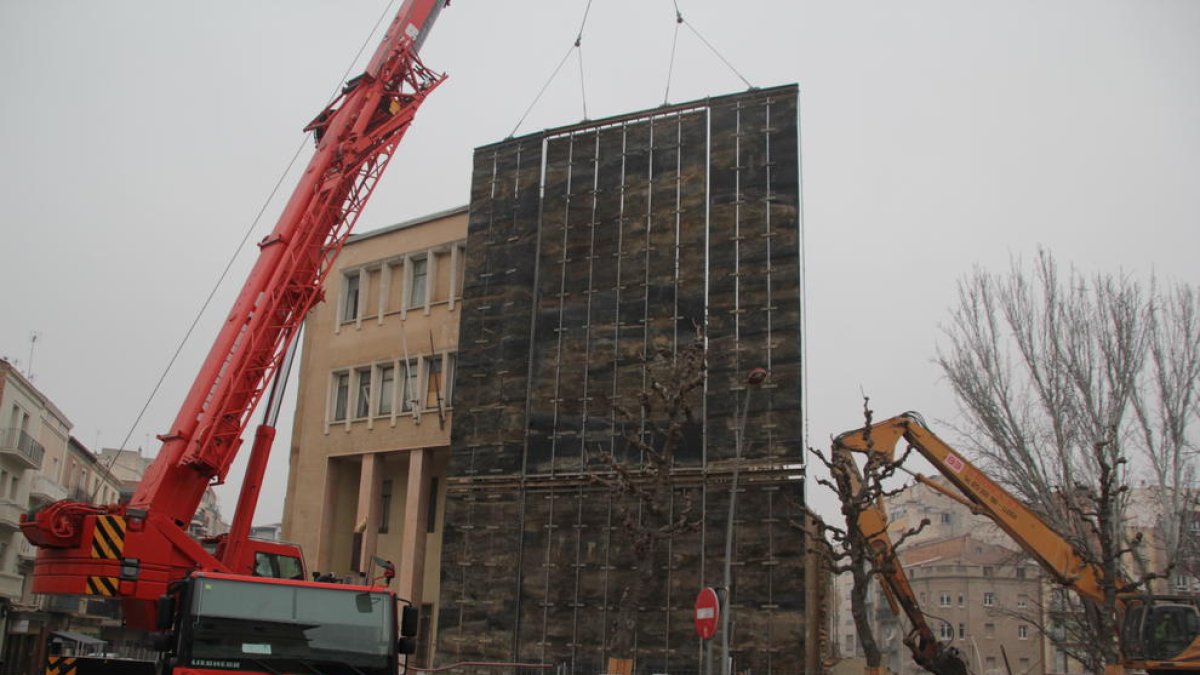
{"x":753,"y":379}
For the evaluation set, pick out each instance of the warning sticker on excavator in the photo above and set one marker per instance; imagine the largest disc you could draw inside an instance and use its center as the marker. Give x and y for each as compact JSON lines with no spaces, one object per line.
{"x":954,"y":462}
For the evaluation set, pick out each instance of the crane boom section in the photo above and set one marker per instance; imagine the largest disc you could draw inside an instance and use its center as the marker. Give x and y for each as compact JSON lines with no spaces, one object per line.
{"x":1051,"y":549}
{"x":356,"y":137}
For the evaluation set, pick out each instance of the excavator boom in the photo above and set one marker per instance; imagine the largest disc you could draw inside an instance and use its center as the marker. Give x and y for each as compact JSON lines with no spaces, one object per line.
{"x":927,"y":651}
{"x":1142,"y":615}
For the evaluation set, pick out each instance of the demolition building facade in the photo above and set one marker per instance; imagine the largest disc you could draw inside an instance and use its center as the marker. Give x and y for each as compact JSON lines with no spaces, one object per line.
{"x":601,"y":259}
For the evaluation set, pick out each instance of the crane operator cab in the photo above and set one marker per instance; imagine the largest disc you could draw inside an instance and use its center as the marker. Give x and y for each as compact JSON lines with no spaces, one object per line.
{"x":1159,"y":627}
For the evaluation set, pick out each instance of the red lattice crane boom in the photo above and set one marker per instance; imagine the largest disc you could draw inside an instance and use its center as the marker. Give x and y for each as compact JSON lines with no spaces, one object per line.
{"x":134,"y":551}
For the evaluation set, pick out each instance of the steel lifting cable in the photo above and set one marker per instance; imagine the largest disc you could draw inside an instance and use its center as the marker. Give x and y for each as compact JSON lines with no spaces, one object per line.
{"x":237,"y":252}
{"x":680,"y":21}
{"x":577,"y":45}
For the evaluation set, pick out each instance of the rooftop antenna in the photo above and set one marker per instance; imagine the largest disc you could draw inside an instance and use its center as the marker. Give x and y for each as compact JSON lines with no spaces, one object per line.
{"x":33,"y":336}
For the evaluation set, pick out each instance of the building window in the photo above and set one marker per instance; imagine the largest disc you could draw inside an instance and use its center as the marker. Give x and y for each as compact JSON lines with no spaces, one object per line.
{"x":1022,"y":602}
{"x":409,"y":393}
{"x":989,"y":571}
{"x":341,"y":395}
{"x":350,"y":296}
{"x":448,"y":380}
{"x":962,"y":631}
{"x":944,"y":599}
{"x":1181,"y":582}
{"x":433,"y":382}
{"x":947,"y":631}
{"x":962,"y":600}
{"x":387,"y":388}
{"x":385,"y":506}
{"x":989,"y":630}
{"x":989,"y":599}
{"x":417,"y":281}
{"x":1020,"y":572}
{"x":922,"y":598}
{"x":362,"y":402}
{"x":945,"y":518}
{"x":1022,"y":632}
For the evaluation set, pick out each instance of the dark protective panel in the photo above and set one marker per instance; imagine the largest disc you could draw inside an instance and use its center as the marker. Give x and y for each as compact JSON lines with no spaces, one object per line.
{"x":592,"y":249}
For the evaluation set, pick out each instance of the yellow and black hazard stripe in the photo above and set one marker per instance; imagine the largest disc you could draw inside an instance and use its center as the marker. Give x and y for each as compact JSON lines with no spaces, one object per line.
{"x":106,"y":586}
{"x":108,"y":538}
{"x":60,"y":665}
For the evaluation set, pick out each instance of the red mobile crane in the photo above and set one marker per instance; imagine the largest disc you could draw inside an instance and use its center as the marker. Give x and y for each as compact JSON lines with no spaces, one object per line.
{"x":1145,"y":645}
{"x":140,"y":552}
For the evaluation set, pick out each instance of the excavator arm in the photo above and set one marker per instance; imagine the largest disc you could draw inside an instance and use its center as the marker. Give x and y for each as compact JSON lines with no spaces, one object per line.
{"x":135,"y":551}
{"x":1145,"y":644}
{"x":927,"y":651}
{"x":984,"y":495}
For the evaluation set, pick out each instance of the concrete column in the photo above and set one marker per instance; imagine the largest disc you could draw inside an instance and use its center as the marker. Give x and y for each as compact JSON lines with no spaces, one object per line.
{"x":366,"y":520}
{"x":411,"y":570}
{"x":328,"y":507}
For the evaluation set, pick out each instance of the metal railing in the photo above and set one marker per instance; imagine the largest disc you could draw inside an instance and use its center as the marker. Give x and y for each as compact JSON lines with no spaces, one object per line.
{"x":21,"y":443}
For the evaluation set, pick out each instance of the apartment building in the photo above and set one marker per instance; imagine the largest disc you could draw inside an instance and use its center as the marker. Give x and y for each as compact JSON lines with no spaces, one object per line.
{"x":40,"y":463}
{"x":979,"y":597}
{"x":30,"y":424}
{"x":371,"y":438}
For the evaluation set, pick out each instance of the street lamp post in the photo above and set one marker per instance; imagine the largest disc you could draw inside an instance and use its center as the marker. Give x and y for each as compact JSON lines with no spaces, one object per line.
{"x":753,"y":379}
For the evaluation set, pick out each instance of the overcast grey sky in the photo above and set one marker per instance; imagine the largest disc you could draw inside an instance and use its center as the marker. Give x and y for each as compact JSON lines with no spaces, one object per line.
{"x":139,"y":139}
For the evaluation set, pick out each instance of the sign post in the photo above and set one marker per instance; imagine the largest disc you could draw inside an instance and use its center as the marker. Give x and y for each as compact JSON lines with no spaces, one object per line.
{"x":706,"y":616}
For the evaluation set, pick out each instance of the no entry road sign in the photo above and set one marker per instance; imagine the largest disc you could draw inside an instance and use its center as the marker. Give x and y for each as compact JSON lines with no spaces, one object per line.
{"x":708,"y":610}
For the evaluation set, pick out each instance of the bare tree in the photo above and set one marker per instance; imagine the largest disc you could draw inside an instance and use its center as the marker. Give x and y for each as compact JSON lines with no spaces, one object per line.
{"x":849,"y":550}
{"x":1062,"y":381}
{"x":652,"y":512}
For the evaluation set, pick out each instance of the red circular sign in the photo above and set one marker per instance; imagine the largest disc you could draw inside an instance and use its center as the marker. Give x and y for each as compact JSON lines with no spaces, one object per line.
{"x":708,"y":610}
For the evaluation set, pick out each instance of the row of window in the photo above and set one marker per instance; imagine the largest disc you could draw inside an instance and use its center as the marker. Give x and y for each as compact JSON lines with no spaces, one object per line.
{"x":946,"y":632}
{"x":1019,"y":571}
{"x":390,"y":387}
{"x":416,"y":280}
{"x":989,"y":600}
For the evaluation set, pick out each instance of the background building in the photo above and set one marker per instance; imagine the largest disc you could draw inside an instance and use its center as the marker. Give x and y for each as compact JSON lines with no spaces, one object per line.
{"x":376,"y":399}
{"x":977,"y":597}
{"x":40,"y":463}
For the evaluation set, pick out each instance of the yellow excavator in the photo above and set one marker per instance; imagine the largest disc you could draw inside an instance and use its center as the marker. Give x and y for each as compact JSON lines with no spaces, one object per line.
{"x":927,"y":651}
{"x":1158,"y":633}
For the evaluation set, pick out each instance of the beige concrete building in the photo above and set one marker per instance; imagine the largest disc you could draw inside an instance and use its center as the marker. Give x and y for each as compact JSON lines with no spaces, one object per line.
{"x":978,"y":597}
{"x":371,"y":438}
{"x":971,"y":579}
{"x":29,"y":423}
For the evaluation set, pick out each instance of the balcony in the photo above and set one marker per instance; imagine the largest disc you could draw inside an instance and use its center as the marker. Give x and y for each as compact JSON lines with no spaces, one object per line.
{"x":10,"y":514}
{"x":45,"y":491}
{"x":18,"y":445}
{"x":104,"y":608}
{"x":11,"y":585}
{"x":65,"y":604}
{"x":25,"y":550}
